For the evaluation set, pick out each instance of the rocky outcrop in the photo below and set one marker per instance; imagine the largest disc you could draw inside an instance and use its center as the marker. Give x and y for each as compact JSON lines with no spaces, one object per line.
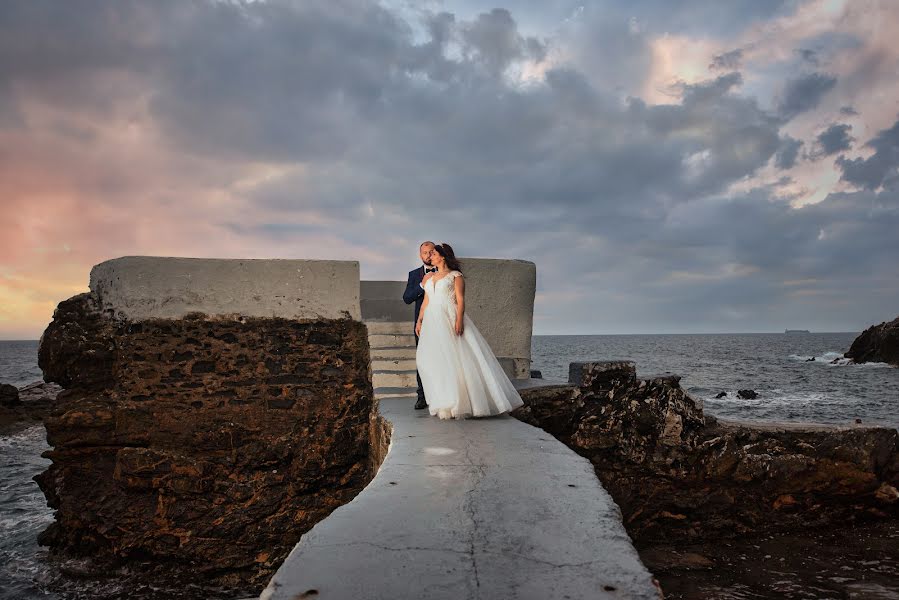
{"x":878,"y":343}
{"x":210,"y":443}
{"x":21,"y":408}
{"x":678,"y":475}
{"x":9,"y":396}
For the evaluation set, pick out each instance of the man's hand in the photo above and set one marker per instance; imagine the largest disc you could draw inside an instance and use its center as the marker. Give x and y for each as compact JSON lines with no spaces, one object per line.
{"x":460,"y":328}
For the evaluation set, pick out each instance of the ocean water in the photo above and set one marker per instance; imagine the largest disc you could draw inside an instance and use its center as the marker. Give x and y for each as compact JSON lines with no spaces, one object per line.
{"x":776,"y":366}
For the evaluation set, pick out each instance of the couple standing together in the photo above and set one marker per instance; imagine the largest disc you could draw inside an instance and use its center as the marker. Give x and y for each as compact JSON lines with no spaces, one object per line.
{"x":458,"y":374}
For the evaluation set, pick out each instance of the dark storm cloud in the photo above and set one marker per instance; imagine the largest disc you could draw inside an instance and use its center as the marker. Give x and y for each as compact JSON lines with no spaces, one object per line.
{"x":494,"y":38}
{"x":727,"y":60}
{"x":804,"y":93}
{"x":834,"y":139}
{"x":848,"y":111}
{"x":872,"y":172}
{"x":388,"y":135}
{"x":787,"y":153}
{"x":809,"y":56}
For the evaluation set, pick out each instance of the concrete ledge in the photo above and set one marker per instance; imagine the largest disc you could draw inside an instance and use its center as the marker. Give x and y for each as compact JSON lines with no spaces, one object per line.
{"x":483,"y":508}
{"x":145,"y":287}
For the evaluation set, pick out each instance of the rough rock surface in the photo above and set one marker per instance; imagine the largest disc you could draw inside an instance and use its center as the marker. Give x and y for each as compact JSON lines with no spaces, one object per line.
{"x":878,"y":343}
{"x":26,"y":406}
{"x":210,"y":444}
{"x":9,"y":395}
{"x":678,"y":475}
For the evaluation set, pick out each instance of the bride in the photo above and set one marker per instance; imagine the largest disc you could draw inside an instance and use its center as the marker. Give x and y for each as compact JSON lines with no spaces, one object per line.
{"x":459,"y":373}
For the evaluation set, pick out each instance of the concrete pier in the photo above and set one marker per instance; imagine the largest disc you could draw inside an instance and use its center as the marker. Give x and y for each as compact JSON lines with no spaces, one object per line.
{"x":481,"y":508}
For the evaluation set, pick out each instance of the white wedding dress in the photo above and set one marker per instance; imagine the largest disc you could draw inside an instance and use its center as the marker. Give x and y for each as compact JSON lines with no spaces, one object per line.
{"x":459,"y":373}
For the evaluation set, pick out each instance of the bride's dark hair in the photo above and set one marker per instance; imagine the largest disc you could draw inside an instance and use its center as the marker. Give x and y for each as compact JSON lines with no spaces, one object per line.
{"x":446,"y":251}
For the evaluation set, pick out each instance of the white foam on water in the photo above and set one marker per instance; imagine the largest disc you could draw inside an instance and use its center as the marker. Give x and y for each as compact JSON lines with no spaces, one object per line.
{"x":835,"y":359}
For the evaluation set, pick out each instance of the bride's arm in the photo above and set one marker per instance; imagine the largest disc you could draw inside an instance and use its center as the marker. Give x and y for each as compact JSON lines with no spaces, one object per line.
{"x":421,"y":314}
{"x":459,"y":282}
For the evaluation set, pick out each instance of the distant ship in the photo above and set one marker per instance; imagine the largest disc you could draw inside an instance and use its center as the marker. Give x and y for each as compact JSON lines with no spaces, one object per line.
{"x":796,"y":331}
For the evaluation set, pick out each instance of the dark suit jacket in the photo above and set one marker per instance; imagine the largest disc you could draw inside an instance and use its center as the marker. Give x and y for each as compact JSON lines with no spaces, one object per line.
{"x":414,"y":292}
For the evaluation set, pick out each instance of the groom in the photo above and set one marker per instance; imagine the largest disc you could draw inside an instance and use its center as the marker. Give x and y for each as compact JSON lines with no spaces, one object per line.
{"x":415,"y":292}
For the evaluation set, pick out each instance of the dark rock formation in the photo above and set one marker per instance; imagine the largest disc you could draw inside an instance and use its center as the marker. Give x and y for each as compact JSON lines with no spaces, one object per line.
{"x":679,"y":476}
{"x":9,"y":395}
{"x":721,"y":395}
{"x":878,"y":343}
{"x":535,"y":374}
{"x":747,"y":394}
{"x":31,"y":404}
{"x":209,"y":444}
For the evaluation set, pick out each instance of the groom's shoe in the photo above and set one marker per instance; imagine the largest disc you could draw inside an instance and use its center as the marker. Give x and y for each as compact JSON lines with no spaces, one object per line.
{"x":421,"y":404}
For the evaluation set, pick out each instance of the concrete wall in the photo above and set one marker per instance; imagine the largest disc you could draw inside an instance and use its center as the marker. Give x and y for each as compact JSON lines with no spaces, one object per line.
{"x":499,"y":298}
{"x":145,"y":287}
{"x":383,"y":301}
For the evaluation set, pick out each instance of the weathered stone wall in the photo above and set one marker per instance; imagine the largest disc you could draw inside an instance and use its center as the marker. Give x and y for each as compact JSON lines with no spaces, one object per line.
{"x":680,"y":476}
{"x":154,"y":287}
{"x":209,"y":442}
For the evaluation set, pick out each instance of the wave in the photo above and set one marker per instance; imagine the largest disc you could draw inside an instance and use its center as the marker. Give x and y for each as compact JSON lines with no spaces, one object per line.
{"x":836,"y":359}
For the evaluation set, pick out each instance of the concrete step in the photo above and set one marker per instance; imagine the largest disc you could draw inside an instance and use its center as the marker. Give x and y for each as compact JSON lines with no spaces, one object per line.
{"x":391,"y":340}
{"x":401,"y":379}
{"x":389,"y":327}
{"x":400,"y":352}
{"x":394,"y":392}
{"x":393,"y":364}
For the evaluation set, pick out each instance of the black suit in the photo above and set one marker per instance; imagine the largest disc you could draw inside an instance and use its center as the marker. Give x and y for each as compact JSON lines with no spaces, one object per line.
{"x":415,"y":293}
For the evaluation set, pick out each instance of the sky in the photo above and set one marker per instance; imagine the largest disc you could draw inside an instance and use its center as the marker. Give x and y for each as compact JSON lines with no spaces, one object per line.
{"x":670,"y":166}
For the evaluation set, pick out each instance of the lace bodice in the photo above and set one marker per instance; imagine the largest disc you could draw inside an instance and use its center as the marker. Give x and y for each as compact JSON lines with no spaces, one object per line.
{"x":442,"y":290}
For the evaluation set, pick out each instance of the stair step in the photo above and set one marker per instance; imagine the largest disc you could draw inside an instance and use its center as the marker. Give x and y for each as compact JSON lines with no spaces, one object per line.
{"x":385,"y":392}
{"x":393,"y":364}
{"x":402,"y":379}
{"x":378,"y":340}
{"x":389,"y":327}
{"x":392,"y":354}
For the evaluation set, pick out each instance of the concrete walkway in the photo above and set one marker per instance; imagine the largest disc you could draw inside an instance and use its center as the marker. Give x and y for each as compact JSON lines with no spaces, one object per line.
{"x":481,"y":508}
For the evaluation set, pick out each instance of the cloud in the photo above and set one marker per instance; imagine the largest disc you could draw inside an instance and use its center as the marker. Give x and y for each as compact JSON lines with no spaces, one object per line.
{"x":804,"y":93}
{"x":352,"y":130}
{"x":729,"y":61}
{"x":872,"y":172}
{"x":834,"y":139}
{"x":787,"y":153}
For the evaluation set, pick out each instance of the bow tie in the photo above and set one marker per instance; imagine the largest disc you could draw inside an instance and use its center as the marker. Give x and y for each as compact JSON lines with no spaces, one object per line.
{"x":431,"y":270}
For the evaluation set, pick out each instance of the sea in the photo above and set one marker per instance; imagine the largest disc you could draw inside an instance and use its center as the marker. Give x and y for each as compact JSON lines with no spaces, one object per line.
{"x":777,"y":366}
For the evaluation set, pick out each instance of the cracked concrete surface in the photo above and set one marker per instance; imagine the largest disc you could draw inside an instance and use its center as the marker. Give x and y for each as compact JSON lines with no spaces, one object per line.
{"x":481,"y":508}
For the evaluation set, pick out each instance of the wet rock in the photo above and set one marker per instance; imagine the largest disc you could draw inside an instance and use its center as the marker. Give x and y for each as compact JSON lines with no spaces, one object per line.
{"x":721,"y":395}
{"x":878,"y":343}
{"x":679,"y":475}
{"x":535,"y":374}
{"x":9,"y":395}
{"x":212,"y":443}
{"x":33,"y":403}
{"x":747,"y":394}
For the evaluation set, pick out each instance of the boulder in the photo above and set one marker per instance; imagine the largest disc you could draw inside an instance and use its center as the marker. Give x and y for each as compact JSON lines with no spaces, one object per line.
{"x":9,"y":395}
{"x":747,"y":394}
{"x":878,"y":343}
